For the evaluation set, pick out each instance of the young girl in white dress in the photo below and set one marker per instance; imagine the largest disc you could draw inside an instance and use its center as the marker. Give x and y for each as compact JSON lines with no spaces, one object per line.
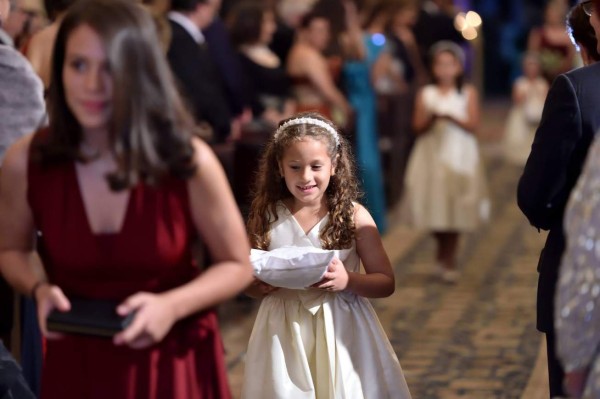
{"x":445,"y":186}
{"x":528,"y":94}
{"x":324,"y":341}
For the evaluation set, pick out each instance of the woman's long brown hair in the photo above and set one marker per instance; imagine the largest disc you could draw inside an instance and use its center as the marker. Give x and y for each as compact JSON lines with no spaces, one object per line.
{"x":150,"y":129}
{"x":270,"y":186}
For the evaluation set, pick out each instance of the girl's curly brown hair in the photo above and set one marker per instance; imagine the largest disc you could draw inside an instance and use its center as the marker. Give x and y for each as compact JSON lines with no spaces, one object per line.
{"x":269,"y":187}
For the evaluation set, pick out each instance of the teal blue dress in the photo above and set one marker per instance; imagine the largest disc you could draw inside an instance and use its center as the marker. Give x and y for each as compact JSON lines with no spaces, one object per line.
{"x":362,"y":97}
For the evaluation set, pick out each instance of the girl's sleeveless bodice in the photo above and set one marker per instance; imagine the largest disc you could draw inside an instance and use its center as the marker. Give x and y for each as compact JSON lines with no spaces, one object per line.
{"x":151,"y":253}
{"x":286,"y":231}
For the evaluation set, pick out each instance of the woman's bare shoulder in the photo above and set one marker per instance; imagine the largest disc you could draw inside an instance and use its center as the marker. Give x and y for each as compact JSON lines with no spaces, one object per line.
{"x":202,"y":151}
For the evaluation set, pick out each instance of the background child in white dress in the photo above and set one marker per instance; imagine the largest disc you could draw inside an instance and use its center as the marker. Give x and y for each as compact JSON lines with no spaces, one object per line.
{"x":325,"y":341}
{"x":445,"y":185}
{"x":528,"y":95}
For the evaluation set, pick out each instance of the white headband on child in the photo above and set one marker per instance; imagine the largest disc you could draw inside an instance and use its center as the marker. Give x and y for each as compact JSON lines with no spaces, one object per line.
{"x":309,"y":121}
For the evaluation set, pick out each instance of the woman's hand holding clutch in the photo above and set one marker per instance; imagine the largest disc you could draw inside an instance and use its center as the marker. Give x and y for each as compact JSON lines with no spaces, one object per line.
{"x":154,"y":317}
{"x":49,"y":297}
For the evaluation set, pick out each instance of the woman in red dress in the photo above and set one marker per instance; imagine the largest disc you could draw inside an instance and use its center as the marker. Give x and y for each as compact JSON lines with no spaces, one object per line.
{"x":117,"y":189}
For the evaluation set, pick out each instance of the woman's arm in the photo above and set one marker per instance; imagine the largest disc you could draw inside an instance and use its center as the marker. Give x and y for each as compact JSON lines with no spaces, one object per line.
{"x":317,"y":71}
{"x":19,"y":262}
{"x":220,"y":225}
{"x":422,"y":119}
{"x":16,"y":221}
{"x":518,"y":92}
{"x":351,"y":40}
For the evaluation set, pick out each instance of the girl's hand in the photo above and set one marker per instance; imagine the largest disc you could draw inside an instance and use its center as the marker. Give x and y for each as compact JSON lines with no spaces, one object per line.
{"x":153,"y":319}
{"x":335,"y":278}
{"x":443,"y":117}
{"x":49,"y":297}
{"x":259,"y":289}
{"x":575,"y":382}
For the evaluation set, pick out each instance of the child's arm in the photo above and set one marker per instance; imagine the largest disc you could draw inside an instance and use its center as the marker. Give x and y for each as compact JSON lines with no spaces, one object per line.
{"x":422,"y":119}
{"x":519,"y":92}
{"x":378,"y":282}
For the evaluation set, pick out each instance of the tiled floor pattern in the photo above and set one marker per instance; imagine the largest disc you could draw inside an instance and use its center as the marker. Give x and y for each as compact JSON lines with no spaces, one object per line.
{"x":475,"y":339}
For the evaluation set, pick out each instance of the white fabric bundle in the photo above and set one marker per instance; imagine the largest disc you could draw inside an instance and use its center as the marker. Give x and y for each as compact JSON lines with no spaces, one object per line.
{"x":291,"y":267}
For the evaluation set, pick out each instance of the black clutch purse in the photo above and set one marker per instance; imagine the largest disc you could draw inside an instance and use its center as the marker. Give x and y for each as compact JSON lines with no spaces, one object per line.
{"x":89,"y":317}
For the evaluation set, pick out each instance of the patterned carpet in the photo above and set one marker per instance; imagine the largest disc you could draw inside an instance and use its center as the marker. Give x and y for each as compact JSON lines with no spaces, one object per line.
{"x":475,"y":339}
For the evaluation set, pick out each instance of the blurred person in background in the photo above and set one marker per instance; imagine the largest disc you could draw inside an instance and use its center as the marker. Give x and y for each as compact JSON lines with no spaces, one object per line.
{"x":552,"y":42}
{"x":446,"y":188}
{"x":313,"y":78}
{"x":39,"y":48}
{"x":404,"y":43}
{"x":194,"y":67}
{"x":435,"y":23}
{"x":289,"y":15}
{"x":229,"y":71}
{"x":396,"y":108}
{"x":528,"y":95}
{"x":26,"y":18}
{"x":570,"y":120}
{"x":267,"y":86}
{"x":159,"y":9}
{"x":22,"y":111}
{"x":577,"y":321}
{"x":369,"y":66}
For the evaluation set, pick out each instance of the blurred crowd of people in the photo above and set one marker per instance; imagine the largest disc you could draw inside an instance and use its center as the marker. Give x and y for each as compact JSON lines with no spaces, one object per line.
{"x":252,"y":63}
{"x":391,"y":74}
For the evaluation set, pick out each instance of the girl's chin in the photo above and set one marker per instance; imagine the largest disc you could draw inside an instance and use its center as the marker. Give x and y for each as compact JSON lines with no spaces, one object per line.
{"x":307,"y":198}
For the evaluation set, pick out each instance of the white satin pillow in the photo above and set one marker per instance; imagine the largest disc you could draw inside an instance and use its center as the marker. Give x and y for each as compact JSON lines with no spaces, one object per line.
{"x":291,"y":267}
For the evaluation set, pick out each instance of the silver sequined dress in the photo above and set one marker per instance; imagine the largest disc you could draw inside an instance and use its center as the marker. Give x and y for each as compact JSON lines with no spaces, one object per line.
{"x":577,"y":316}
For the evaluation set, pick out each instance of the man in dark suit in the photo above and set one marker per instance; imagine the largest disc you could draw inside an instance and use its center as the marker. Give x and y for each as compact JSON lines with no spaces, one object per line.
{"x":193,"y":66}
{"x":569,"y":122}
{"x":435,"y":23}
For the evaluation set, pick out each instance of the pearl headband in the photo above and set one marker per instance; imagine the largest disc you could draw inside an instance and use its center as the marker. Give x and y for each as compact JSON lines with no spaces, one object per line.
{"x":309,"y":121}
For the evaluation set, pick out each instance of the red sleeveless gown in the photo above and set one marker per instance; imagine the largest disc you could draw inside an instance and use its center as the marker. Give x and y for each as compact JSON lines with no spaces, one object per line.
{"x":151,"y":253}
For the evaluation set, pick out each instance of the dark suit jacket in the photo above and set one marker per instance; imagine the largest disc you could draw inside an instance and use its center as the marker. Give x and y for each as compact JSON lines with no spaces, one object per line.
{"x":570,"y":119}
{"x":199,"y":81}
{"x":225,"y":58}
{"x":12,"y":383}
{"x":431,"y":28}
